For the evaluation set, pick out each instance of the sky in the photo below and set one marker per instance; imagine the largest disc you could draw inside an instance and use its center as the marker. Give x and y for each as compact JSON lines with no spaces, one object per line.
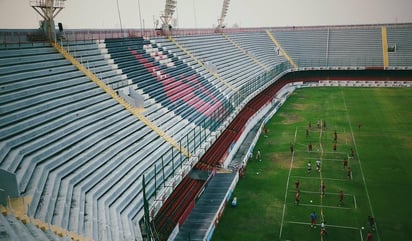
{"x":92,"y":14}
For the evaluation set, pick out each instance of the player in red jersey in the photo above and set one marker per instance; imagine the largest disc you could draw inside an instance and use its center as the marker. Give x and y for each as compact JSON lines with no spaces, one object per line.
{"x":297,"y":198}
{"x":369,"y":237}
{"x":297,"y":184}
{"x":322,"y":189}
{"x":345,"y":163}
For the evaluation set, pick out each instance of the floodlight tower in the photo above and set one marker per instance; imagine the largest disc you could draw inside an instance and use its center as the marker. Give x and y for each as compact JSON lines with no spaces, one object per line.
{"x":48,"y":9}
{"x":221,"y":20}
{"x":166,"y":16}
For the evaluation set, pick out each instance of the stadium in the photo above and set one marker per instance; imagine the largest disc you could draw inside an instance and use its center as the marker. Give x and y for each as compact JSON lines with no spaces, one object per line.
{"x":142,"y":134}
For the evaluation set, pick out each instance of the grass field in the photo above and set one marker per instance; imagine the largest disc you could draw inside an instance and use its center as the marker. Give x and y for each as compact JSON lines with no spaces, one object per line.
{"x":382,"y":169}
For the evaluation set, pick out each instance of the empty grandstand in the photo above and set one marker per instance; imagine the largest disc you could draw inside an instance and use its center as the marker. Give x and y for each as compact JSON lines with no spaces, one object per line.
{"x":120,"y":135}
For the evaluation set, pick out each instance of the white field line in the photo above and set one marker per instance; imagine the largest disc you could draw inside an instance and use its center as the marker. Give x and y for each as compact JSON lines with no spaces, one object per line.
{"x":323,"y":159}
{"x":322,"y":206}
{"x":287,"y":188}
{"x":354,"y":201}
{"x":320,"y":175}
{"x":360,"y":233}
{"x":360,"y":165}
{"x":329,"y":225}
{"x":325,"y":178}
{"x":329,"y":193}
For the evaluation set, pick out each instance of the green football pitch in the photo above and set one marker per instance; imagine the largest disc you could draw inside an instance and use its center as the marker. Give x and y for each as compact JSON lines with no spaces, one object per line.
{"x":375,"y":123}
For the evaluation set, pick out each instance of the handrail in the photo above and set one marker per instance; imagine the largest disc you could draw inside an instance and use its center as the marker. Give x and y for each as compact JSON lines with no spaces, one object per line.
{"x":24,"y":36}
{"x":385,"y":47}
{"x":135,"y":111}
{"x":246,"y":52}
{"x":216,"y":75}
{"x":281,"y":49}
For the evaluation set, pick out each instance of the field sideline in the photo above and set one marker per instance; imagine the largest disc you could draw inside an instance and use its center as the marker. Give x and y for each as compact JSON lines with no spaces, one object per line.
{"x":375,"y":123}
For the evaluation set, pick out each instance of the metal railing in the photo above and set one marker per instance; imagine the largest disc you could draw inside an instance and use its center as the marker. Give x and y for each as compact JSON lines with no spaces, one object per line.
{"x":30,"y":36}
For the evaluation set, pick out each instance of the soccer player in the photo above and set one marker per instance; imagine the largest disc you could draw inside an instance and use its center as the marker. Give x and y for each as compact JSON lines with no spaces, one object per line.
{"x":265,"y":131}
{"x":309,"y":167}
{"x":345,"y":163}
{"x":297,"y":198}
{"x":242,"y":170}
{"x":341,"y":198}
{"x":291,"y":148}
{"x":371,"y":221}
{"x":297,"y":184}
{"x":234,"y":202}
{"x":310,"y":148}
{"x":335,"y":138}
{"x":258,"y":156}
{"x":318,"y":165}
{"x":251,"y":156}
{"x":313,"y":218}
{"x":334,"y":147}
{"x":350,"y":173}
{"x":322,"y":189}
{"x":323,"y":231}
{"x":352,"y":153}
{"x":369,"y":237}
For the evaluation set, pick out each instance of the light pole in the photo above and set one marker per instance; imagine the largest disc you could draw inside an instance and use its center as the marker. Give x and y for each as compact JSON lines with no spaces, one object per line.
{"x":140,"y":17}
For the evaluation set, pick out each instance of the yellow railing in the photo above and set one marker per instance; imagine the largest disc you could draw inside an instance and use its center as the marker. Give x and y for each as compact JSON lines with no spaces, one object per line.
{"x":135,"y":111}
{"x":385,"y":47}
{"x":281,"y":49}
{"x":246,"y":52}
{"x":216,"y":75}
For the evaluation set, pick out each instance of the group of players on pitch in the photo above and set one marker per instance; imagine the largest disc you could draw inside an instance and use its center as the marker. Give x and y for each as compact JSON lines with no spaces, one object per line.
{"x":322,"y":124}
{"x":348,"y":169}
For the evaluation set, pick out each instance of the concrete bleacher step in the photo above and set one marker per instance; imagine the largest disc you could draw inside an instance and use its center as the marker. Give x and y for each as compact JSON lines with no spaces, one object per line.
{"x":37,"y":132}
{"x":44,"y":102}
{"x":20,"y":60}
{"x":85,"y":122}
{"x":21,"y":52}
{"x":69,"y":167}
{"x":19,"y":229}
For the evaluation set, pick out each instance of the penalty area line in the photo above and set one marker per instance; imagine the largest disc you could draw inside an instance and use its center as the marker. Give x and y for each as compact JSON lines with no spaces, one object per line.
{"x":318,"y":192}
{"x":324,"y":159}
{"x":324,"y":178}
{"x":323,"y":206}
{"x":328,"y":225}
